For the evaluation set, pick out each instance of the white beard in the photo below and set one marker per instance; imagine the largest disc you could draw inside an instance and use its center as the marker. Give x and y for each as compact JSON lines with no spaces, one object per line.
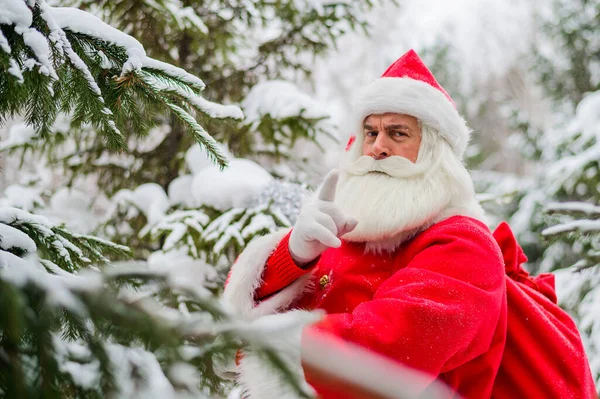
{"x":394,"y":199}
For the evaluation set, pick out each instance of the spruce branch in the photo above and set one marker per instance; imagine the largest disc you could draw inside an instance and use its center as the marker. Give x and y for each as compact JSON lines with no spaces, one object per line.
{"x":59,"y":246}
{"x":572,"y":228}
{"x":88,"y":78}
{"x":200,"y":135}
{"x":573,"y":209}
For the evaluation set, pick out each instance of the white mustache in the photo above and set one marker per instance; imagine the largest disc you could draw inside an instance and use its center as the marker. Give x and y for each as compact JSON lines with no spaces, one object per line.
{"x":394,"y":166}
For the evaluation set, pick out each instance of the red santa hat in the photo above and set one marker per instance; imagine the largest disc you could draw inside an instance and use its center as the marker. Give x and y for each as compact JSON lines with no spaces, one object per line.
{"x":408,"y":87}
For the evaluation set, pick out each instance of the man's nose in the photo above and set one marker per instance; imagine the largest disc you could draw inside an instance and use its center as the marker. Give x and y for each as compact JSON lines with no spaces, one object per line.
{"x":381,"y":148}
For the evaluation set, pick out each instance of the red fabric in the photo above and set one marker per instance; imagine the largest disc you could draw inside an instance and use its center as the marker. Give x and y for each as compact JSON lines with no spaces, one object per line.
{"x":350,"y":142}
{"x":437,"y":304}
{"x":281,"y":270}
{"x":411,"y":66}
{"x":544,"y":355}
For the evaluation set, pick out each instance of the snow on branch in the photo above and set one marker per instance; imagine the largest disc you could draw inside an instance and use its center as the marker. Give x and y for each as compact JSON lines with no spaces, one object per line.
{"x":213,"y":149}
{"x":79,"y":21}
{"x":62,"y":59}
{"x":583,"y":233}
{"x":98,"y":309}
{"x":210,"y":108}
{"x":573,"y":208}
{"x":281,"y":100}
{"x":580,"y":226}
{"x":25,"y":233}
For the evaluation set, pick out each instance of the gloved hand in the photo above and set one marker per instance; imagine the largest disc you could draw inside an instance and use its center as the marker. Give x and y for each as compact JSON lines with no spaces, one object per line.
{"x":320,"y":224}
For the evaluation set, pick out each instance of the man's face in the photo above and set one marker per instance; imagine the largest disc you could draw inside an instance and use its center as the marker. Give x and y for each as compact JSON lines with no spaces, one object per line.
{"x":391,"y":134}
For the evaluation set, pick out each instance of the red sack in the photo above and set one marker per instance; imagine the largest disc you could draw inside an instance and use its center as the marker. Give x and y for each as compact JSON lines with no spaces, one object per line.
{"x":544,"y":355}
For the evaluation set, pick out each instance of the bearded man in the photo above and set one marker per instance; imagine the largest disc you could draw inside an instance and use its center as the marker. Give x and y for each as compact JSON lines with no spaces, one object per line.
{"x":392,"y":248}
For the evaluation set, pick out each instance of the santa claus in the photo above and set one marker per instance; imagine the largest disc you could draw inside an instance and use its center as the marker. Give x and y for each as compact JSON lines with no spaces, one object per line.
{"x":392,"y":248}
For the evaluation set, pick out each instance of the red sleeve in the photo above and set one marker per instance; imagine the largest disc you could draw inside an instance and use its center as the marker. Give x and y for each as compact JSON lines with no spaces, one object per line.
{"x":438,"y":312}
{"x":280,"y":270}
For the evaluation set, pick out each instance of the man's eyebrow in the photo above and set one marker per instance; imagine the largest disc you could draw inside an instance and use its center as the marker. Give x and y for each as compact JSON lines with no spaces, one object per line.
{"x":368,"y":127}
{"x":397,"y":126}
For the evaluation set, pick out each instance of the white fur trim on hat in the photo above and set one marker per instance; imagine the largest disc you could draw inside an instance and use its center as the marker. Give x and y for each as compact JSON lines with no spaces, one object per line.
{"x":415,"y":98}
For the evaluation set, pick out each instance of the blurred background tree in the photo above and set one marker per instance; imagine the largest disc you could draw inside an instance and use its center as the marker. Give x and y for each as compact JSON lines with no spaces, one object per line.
{"x":563,"y":201}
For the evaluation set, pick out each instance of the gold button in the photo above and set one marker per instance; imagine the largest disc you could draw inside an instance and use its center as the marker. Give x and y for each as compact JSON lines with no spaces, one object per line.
{"x":323,"y":281}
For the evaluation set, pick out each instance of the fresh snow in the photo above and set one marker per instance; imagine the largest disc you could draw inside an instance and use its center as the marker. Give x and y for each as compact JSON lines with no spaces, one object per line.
{"x":184,"y":375}
{"x":587,"y":116}
{"x":258,"y":223}
{"x":25,"y":198}
{"x":84,"y":374}
{"x":149,"y":198}
{"x":73,"y":208}
{"x":11,"y":238}
{"x":137,"y":373}
{"x":15,"y":70}
{"x":9,"y":215}
{"x":4,"y":44}
{"x":82,"y":22}
{"x":583,"y":226}
{"x":581,"y":137}
{"x":196,"y":158}
{"x":18,"y":134}
{"x":15,"y":12}
{"x":39,"y":45}
{"x":174,"y":71}
{"x":232,"y":187}
{"x":583,"y":207}
{"x":21,"y":272}
{"x":180,"y":191}
{"x":184,"y":272}
{"x":569,"y":287}
{"x":280,"y":99}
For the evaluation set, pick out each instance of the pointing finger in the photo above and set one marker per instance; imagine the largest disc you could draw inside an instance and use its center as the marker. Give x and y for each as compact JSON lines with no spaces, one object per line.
{"x":327,"y":190}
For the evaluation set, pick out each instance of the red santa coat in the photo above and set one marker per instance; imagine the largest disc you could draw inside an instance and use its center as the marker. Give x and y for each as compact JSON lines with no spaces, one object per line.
{"x":437,"y":304}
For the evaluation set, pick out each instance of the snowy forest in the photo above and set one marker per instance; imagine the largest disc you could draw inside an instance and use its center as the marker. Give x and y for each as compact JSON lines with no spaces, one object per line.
{"x":145,"y":143}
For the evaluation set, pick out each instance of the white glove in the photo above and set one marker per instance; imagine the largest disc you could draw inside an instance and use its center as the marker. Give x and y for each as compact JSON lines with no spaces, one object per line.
{"x":320,"y":224}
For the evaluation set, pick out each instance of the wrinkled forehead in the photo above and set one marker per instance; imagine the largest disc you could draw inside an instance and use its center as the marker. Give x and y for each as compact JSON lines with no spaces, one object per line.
{"x":391,"y":118}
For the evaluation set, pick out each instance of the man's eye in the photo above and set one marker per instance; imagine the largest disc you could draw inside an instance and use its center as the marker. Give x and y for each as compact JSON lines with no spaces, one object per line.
{"x":371,"y":134}
{"x":399,"y":134}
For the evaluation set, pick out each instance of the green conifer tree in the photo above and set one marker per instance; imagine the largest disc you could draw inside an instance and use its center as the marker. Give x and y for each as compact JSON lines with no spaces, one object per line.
{"x":557,"y":217}
{"x":74,"y":324}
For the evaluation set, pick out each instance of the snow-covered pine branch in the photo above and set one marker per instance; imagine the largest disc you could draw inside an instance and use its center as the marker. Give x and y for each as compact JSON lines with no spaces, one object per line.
{"x":113,"y":332}
{"x":66,"y":60}
{"x":583,"y":233}
{"x":574,"y":208}
{"x":77,"y":336}
{"x":579,"y":226}
{"x":25,"y":233}
{"x":229,"y":233}
{"x":214,"y":231}
{"x":288,"y":126}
